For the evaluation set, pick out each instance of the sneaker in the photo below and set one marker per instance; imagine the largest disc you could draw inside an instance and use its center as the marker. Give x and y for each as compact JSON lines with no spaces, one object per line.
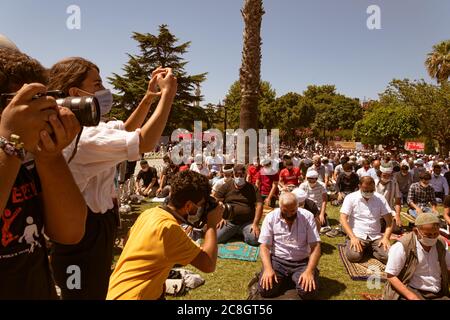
{"x":335,"y":233}
{"x":325,"y":229}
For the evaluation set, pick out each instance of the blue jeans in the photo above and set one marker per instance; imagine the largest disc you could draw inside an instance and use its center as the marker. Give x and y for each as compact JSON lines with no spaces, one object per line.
{"x":229,"y":230}
{"x":413,"y":212}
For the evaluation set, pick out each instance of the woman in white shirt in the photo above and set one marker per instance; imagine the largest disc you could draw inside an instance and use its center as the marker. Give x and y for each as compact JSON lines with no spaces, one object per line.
{"x":98,"y":152}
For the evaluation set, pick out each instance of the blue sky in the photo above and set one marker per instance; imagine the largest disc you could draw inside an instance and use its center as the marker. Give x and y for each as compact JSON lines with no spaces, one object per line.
{"x":304,"y":41}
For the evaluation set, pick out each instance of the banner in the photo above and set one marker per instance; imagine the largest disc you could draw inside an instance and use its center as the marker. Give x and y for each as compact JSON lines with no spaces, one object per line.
{"x":348,"y":145}
{"x":414,"y":146}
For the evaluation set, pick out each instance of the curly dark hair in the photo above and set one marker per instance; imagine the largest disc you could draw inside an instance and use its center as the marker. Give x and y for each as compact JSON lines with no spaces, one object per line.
{"x":68,"y":73}
{"x":16,"y":69}
{"x":188,"y":185}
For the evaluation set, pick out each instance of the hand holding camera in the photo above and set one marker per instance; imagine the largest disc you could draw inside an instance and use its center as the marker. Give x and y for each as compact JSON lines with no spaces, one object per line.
{"x":28,"y":117}
{"x":65,"y":128}
{"x":215,"y":216}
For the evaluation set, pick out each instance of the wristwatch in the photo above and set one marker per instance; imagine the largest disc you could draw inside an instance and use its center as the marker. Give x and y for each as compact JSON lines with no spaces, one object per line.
{"x":13,"y":147}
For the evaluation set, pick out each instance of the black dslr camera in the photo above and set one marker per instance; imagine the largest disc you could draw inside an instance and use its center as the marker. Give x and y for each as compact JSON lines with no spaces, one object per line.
{"x":210,"y":205}
{"x":86,"y":109}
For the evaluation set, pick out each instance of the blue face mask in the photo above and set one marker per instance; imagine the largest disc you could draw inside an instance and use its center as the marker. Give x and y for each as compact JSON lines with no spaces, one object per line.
{"x":105,"y":100}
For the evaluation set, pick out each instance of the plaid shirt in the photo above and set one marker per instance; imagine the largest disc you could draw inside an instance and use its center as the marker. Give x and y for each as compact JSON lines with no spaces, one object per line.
{"x":421,"y":196}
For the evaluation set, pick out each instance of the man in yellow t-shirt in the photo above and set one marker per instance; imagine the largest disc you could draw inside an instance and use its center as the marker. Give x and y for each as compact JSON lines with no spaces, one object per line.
{"x":157,"y":242}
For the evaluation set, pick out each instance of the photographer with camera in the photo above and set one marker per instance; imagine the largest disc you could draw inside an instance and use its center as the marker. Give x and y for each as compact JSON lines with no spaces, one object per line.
{"x":244,"y":209}
{"x":37,"y":191}
{"x":98,"y":152}
{"x":157,"y":242}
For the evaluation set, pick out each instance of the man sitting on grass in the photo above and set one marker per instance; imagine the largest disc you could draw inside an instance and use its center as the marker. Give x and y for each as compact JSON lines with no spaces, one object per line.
{"x":361,"y":216}
{"x":149,"y":178}
{"x":290,"y":250}
{"x":419,"y":265}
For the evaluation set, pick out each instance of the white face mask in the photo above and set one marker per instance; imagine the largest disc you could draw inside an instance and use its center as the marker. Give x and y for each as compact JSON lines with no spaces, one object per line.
{"x":239,"y":181}
{"x":367,"y":195}
{"x":348,"y":174}
{"x":427,"y":242}
{"x":105,"y":100}
{"x":385,"y":181}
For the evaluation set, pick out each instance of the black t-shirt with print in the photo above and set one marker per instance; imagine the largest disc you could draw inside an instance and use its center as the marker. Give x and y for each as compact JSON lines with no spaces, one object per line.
{"x":148,"y":176}
{"x":24,"y":266}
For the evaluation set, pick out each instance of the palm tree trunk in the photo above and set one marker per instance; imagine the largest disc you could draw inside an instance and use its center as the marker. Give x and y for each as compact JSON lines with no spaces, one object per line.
{"x":250,"y":72}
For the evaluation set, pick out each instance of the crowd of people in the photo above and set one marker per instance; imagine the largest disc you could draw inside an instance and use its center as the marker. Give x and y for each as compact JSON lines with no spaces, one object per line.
{"x":59,"y":206}
{"x":370,"y":187}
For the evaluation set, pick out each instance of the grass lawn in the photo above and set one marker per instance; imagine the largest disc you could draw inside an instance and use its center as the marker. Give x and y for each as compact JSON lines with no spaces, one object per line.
{"x":230,"y":280}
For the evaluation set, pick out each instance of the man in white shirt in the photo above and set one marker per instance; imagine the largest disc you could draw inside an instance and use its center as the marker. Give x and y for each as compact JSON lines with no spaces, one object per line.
{"x":227,"y":177}
{"x":390,"y":190}
{"x":290,"y":250}
{"x":199,"y":167}
{"x":317,"y":192}
{"x":361,"y":213}
{"x":439,"y":183}
{"x":365,"y":170}
{"x":418,"y":267}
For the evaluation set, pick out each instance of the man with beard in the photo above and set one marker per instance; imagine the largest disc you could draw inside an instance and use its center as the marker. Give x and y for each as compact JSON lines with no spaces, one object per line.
{"x":290,"y":251}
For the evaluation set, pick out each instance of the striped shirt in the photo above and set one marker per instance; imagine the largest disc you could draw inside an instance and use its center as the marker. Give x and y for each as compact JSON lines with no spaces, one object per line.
{"x":315,"y":194}
{"x":390,"y":191}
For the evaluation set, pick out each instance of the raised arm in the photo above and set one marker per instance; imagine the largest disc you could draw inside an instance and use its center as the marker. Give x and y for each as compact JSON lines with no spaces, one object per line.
{"x":137,"y":118}
{"x":153,"y":128}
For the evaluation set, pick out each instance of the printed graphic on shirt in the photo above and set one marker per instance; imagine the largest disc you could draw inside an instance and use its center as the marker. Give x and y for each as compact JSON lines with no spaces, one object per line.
{"x":21,"y":222}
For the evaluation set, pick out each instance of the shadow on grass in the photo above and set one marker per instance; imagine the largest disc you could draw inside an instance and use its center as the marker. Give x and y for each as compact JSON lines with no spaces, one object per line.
{"x":329,"y":288}
{"x":327,"y":248}
{"x":333,"y":222}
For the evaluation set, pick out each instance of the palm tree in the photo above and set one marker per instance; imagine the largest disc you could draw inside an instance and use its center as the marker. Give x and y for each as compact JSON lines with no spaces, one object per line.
{"x":250,"y":72}
{"x":438,"y":62}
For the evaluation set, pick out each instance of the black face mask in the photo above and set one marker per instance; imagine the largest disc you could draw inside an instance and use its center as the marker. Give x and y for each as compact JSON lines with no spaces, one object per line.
{"x":287,"y":218}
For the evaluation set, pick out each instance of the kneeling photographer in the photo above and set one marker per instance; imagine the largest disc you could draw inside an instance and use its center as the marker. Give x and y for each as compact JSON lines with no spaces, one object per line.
{"x":157,"y":242}
{"x":244,"y":209}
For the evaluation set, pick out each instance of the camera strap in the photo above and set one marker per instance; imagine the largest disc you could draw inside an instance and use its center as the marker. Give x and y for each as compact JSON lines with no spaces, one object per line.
{"x":176,"y":215}
{"x":75,"y":149}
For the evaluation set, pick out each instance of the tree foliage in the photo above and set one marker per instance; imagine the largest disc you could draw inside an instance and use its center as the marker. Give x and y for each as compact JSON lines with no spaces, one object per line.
{"x":389,"y":125}
{"x":158,"y":50}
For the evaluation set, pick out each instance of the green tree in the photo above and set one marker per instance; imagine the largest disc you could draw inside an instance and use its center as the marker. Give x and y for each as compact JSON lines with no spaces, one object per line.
{"x":158,"y":50}
{"x":233,"y":104}
{"x":430,"y":104}
{"x":438,"y":62}
{"x":388,"y":125}
{"x":333,"y":111}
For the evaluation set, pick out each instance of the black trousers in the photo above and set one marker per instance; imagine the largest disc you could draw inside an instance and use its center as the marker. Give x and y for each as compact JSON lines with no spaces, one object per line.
{"x":90,"y":260}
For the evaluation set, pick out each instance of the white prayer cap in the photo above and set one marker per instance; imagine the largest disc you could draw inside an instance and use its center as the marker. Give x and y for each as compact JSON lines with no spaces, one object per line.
{"x":300,"y":194}
{"x":312,"y":174}
{"x":199,"y":158}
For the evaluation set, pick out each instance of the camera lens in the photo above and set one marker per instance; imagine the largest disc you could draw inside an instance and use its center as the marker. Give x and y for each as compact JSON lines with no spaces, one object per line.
{"x":86,"y":109}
